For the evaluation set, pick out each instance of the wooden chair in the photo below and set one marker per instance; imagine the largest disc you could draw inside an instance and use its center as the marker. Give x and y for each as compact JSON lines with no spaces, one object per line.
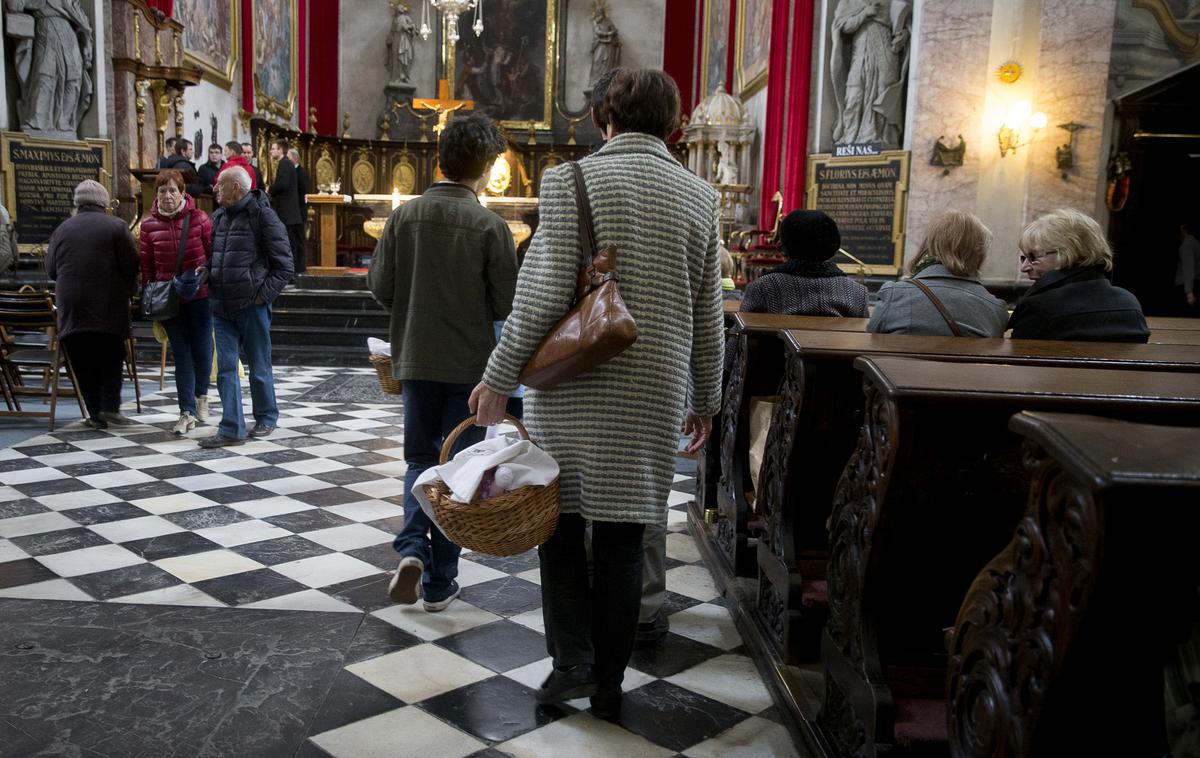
{"x":33,"y":312}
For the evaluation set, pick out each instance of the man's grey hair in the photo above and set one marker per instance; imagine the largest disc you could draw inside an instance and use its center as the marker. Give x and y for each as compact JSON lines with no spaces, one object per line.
{"x":294,"y":155}
{"x":239,"y":176}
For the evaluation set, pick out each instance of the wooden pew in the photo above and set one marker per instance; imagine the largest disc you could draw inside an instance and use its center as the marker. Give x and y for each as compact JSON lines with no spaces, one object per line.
{"x":815,"y":428}
{"x":1175,"y":337}
{"x":723,"y":472}
{"x":1158,"y":323}
{"x":933,"y":490}
{"x":1069,"y":626}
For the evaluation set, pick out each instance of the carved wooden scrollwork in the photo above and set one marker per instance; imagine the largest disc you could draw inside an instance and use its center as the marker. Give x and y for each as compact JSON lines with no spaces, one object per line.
{"x":853,"y":519}
{"x":841,"y":726}
{"x":1023,"y":607}
{"x":727,"y":495}
{"x":773,"y":477}
{"x":771,"y":610}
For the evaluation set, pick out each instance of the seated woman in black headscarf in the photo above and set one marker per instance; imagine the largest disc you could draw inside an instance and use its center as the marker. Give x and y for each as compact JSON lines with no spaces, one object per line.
{"x":808,"y":283}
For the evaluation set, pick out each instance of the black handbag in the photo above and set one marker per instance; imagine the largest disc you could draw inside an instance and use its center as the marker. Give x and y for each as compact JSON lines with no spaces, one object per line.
{"x":160,"y":301}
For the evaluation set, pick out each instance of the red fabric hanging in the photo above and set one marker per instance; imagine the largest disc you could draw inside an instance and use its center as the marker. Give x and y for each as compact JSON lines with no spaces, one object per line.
{"x":773,"y":122}
{"x":166,"y":6}
{"x":247,"y":56}
{"x":795,"y":170}
{"x":323,"y":56}
{"x":731,"y":49}
{"x":679,"y":48}
{"x":302,"y":66}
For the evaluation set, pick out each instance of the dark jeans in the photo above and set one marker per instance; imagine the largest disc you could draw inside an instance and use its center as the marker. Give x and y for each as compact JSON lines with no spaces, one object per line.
{"x":431,"y":411}
{"x":191,"y":336}
{"x":249,"y":329}
{"x":296,"y":241}
{"x":98,"y":361}
{"x":592,"y":624}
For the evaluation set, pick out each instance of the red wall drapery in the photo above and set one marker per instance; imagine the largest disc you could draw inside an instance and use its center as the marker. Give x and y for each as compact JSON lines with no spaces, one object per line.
{"x":323,"y":56}
{"x":166,"y":6}
{"x":795,"y":170}
{"x":773,"y":120}
{"x":302,"y":66}
{"x":247,"y":56}
{"x":679,"y":47}
{"x":732,"y":46}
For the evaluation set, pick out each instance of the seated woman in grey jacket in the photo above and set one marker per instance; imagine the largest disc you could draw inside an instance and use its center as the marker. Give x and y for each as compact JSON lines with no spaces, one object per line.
{"x":944,"y":273}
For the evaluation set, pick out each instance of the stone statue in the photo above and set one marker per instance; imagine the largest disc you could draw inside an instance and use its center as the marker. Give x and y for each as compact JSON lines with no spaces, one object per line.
{"x":606,"y":42}
{"x":727,"y":170}
{"x":869,"y":68}
{"x":53,"y":58}
{"x":400,"y":48}
{"x":212,"y":130}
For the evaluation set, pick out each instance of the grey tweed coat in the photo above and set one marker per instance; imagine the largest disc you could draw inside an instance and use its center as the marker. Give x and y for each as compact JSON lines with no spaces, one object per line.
{"x":614,"y":430}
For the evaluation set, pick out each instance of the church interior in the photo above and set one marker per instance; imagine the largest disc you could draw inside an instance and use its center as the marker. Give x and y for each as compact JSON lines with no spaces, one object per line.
{"x":894,"y":541}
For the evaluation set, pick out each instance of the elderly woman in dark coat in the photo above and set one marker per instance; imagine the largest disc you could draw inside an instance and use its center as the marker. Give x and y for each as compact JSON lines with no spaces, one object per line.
{"x":614,"y":430}
{"x":1072,"y":298}
{"x":94,"y":264}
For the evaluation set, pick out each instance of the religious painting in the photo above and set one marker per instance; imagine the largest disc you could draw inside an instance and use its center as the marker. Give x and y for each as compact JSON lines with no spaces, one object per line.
{"x":508,"y":71}
{"x":275,"y":56}
{"x":753,"y":54}
{"x":716,"y":47}
{"x":210,"y":37}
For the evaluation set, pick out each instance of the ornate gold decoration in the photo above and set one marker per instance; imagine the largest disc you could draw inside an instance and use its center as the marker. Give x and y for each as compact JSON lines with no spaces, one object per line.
{"x":756,"y":81}
{"x":362,"y":177}
{"x":141,"y":88}
{"x":500,"y":176}
{"x":443,"y":105}
{"x":179,"y":117}
{"x":312,"y":119}
{"x":175,"y":47}
{"x":326,"y":169}
{"x":218,"y":72}
{"x":162,"y":110}
{"x":265,"y":103}
{"x":1009,"y":72}
{"x":1188,"y":44}
{"x":158,"y":57}
{"x":404,"y":175}
{"x":137,"y":36}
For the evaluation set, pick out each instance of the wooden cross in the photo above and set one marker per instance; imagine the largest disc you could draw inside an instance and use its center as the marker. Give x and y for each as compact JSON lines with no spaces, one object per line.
{"x":443,"y":105}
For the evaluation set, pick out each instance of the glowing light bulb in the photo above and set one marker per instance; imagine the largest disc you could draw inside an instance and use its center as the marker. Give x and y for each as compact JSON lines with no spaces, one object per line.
{"x":1038,"y":120}
{"x":425,"y":32}
{"x":478,"y":27}
{"x":395,"y":198}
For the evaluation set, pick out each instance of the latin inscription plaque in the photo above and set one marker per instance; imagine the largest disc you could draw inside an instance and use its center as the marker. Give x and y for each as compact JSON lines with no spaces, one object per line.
{"x":866,"y":197}
{"x":40,"y":177}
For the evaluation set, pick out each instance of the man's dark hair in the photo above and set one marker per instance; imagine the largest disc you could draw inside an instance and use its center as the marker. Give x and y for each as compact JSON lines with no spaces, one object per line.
{"x":213,"y":147}
{"x":170,"y":144}
{"x":181,"y":144}
{"x":644,"y":100}
{"x":468,"y":146}
{"x":599,"y":90}
{"x":282,"y":144}
{"x":247,"y":145}
{"x":234,"y":145}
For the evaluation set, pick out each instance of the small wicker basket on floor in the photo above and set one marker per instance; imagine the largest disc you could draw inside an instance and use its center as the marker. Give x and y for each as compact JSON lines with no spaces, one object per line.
{"x":383,"y":367}
{"x":504,"y":525}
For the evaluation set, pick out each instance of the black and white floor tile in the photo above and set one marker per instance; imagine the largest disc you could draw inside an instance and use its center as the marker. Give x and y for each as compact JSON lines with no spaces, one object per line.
{"x":303,"y":521}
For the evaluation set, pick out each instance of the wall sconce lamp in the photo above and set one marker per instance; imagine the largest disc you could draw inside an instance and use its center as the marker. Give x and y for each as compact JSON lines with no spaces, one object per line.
{"x":1019,"y":127}
{"x":947,"y":156}
{"x":1064,"y":155}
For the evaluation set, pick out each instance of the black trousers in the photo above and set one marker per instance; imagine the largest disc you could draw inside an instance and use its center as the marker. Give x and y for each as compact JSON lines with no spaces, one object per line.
{"x":99,"y":361}
{"x":296,"y":241}
{"x":592,"y":624}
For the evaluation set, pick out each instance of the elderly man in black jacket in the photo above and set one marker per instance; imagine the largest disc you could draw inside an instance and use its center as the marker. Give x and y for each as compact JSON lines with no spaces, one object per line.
{"x":251,"y":264}
{"x":285,"y":199}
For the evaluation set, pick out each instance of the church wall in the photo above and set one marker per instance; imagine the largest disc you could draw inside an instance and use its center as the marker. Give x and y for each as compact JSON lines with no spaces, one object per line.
{"x":212,"y":100}
{"x":642,"y":26}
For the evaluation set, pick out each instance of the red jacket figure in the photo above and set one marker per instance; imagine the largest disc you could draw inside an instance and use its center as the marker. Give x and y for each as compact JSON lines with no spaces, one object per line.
{"x":160,"y":244}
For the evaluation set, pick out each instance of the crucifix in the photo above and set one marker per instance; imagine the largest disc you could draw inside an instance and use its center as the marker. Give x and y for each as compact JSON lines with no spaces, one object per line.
{"x":443,"y":105}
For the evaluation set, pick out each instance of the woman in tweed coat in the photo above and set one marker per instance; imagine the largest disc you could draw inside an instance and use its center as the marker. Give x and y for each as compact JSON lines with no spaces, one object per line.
{"x":614,"y":430}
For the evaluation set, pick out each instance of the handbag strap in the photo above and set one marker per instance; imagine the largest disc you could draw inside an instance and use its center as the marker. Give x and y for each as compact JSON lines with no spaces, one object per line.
{"x":587,"y":227}
{"x":182,"y":245}
{"x":938,"y":304}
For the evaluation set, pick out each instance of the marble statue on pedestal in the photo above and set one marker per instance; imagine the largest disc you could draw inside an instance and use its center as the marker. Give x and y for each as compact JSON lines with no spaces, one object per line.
{"x":727,"y":169}
{"x":869,"y":69}
{"x":53,"y":59}
{"x":606,"y":43}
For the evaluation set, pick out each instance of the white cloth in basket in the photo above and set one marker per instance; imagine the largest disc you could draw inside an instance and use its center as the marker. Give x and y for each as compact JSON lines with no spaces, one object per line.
{"x":529,"y":464}
{"x":379,"y":347}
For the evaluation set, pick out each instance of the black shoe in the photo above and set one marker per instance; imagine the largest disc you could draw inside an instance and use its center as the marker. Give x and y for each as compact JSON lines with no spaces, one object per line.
{"x":261,"y":430}
{"x":652,"y":632}
{"x":606,"y":704}
{"x":218,"y":440}
{"x":567,"y":684}
{"x":96,"y":423}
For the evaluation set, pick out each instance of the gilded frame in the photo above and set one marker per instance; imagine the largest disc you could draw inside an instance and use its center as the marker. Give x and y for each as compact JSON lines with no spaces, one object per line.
{"x":749,"y":82}
{"x":213,"y":71}
{"x":1188,"y":44}
{"x":547,"y":121}
{"x":267,"y":103}
{"x":706,"y":43}
{"x":899,"y":211}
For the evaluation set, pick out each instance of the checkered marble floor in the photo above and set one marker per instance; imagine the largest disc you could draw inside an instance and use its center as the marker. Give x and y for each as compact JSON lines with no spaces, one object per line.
{"x":303,"y":520}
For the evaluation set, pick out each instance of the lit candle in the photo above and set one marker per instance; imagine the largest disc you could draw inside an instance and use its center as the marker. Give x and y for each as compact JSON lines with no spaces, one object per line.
{"x":395,"y":198}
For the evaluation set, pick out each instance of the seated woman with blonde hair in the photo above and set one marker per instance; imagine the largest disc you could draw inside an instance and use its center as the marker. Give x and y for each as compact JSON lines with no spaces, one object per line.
{"x":1072,"y":298}
{"x":943,"y":297}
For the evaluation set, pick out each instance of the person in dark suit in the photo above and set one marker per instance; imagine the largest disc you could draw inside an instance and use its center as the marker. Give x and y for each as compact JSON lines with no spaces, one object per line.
{"x":248,"y":154}
{"x":304,"y":188}
{"x":181,"y":161}
{"x":169,"y":154}
{"x":208,"y":171}
{"x":285,"y":201}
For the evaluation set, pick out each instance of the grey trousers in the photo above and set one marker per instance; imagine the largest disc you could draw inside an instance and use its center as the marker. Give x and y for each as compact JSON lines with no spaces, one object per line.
{"x":654,"y":573}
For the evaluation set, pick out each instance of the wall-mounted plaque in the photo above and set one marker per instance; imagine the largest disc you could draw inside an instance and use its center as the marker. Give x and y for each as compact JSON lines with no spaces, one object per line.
{"x":40,"y":177}
{"x":866,"y":197}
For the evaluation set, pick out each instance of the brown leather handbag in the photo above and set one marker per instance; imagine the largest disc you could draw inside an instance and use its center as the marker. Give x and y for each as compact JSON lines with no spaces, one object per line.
{"x":598,"y":325}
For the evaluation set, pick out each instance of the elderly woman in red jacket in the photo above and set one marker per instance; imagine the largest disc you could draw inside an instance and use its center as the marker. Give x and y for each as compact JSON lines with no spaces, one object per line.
{"x":190,"y":332}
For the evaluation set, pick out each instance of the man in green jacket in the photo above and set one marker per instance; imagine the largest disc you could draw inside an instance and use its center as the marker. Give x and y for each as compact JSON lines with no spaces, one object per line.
{"x":446,"y":269}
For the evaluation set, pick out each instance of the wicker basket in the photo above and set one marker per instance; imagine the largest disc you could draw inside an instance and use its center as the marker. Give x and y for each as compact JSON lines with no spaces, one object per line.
{"x":383,"y":367}
{"x":508,"y":524}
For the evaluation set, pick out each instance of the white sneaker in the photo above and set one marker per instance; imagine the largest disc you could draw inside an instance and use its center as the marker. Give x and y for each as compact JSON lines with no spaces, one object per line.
{"x":185,"y":424}
{"x":405,"y":587}
{"x":202,"y":408}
